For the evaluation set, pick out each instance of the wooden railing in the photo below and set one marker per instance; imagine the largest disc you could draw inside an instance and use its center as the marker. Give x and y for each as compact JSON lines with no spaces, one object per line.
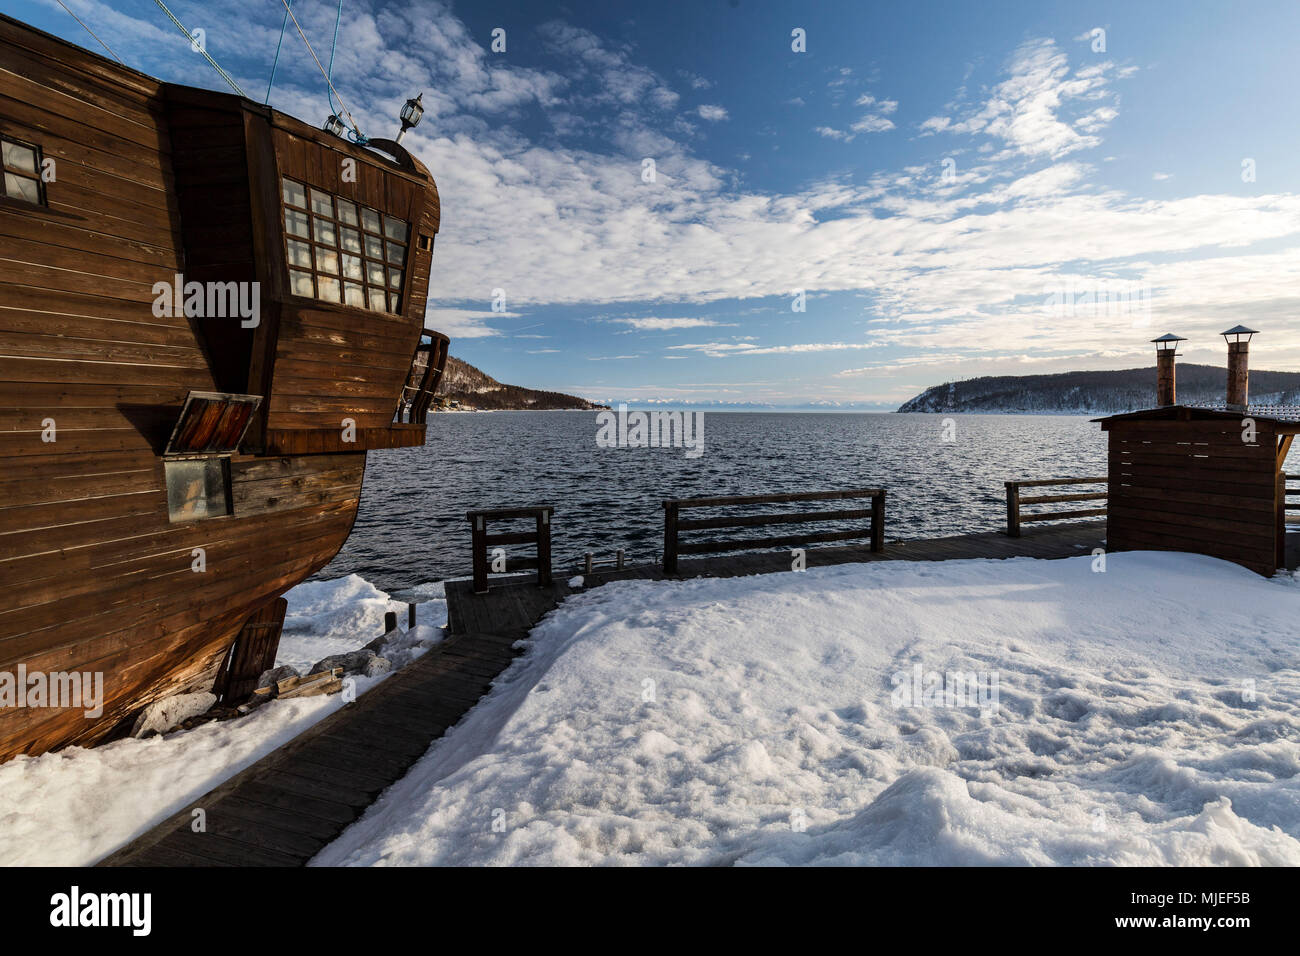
{"x":1015,"y":501}
{"x":423,"y":378}
{"x":481,"y":541}
{"x":674,"y":525}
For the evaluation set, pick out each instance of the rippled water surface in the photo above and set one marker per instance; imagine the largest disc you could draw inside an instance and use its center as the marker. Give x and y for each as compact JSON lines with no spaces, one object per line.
{"x":411,"y":528}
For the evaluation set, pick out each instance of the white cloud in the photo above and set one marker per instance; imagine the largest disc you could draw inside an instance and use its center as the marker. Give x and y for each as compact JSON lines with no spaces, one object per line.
{"x":713,"y":114}
{"x":948,"y":269}
{"x":1028,"y":109}
{"x":464,"y":323}
{"x":659,"y":325}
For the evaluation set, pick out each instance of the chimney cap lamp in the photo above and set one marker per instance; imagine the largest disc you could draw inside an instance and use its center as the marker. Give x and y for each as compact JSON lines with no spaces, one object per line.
{"x":1238,"y":331}
{"x":1168,"y":342}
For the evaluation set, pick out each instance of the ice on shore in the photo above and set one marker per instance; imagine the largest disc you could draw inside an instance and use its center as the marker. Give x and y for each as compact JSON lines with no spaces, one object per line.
{"x":1149,"y":714}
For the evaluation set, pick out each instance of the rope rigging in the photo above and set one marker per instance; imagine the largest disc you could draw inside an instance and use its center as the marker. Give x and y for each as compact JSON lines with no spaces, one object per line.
{"x":354,"y":133}
{"x":92,"y":33}
{"x":190,"y":36}
{"x":284,"y":22}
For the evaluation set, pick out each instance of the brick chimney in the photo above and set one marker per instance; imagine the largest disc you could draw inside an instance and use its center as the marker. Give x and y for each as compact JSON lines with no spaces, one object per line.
{"x":1238,"y":339}
{"x":1166,"y":349}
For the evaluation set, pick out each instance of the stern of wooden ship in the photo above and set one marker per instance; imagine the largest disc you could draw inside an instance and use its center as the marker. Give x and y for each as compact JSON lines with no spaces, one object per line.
{"x":209,"y":313}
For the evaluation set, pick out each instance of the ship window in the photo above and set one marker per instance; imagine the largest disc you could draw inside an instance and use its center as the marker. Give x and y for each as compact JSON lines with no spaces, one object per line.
{"x":22,"y":172}
{"x":329,"y":239}
{"x":197,"y":488}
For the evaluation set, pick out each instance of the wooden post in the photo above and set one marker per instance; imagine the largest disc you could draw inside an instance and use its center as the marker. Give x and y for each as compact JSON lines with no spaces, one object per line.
{"x":1013,"y":509}
{"x":670,"y":537}
{"x":587,"y":564}
{"x":410,"y":615}
{"x":390,"y":622}
{"x":478,"y":536}
{"x":619,"y":558}
{"x":878,"y":521}
{"x":544,"y":548}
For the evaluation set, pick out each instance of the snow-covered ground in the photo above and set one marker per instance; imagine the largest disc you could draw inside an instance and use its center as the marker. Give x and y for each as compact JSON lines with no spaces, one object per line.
{"x":1145,"y":715}
{"x":76,"y":806}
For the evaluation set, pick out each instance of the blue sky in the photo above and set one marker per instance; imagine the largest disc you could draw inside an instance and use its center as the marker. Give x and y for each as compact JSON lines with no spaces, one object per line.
{"x":953,"y":186}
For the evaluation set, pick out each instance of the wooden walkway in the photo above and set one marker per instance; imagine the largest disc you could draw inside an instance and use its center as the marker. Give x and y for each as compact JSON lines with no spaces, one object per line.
{"x":289,"y":805}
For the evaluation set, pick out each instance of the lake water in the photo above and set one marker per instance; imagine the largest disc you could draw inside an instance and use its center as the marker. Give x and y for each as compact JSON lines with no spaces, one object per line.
{"x":411,"y":528}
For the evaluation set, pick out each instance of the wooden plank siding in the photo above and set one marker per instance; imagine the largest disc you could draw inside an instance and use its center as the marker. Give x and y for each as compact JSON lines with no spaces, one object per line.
{"x":1195,"y":486}
{"x":155,"y":180}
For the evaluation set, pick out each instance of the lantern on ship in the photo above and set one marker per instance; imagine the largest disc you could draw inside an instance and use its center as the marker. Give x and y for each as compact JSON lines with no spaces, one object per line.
{"x":410,"y":115}
{"x":333,"y":125}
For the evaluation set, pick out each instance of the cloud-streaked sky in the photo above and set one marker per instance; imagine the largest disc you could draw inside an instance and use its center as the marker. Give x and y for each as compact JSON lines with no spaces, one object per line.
{"x":949,"y":185}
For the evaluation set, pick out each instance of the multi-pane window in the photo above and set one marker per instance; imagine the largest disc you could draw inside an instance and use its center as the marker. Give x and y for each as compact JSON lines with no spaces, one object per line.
{"x":340,"y":251}
{"x":22,"y":171}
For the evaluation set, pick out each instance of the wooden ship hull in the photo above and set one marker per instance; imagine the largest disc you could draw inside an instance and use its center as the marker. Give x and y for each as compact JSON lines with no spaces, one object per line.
{"x":171,"y":464}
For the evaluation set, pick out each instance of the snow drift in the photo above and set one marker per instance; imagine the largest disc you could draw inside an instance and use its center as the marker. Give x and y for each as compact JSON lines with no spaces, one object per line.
{"x":1145,"y":715}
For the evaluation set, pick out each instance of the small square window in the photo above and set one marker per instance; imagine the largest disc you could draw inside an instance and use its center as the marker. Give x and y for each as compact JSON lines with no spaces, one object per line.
{"x":197,"y":488}
{"x":21,"y":168}
{"x":323,"y":231}
{"x":396,"y":253}
{"x":20,"y":187}
{"x":377,"y":300}
{"x":328,"y":289}
{"x":374,"y":247}
{"x":395,"y":304}
{"x":354,"y":295}
{"x":299,"y":254}
{"x":347,"y":212}
{"x":293,"y":193}
{"x":426,"y":243}
{"x":322,"y":204}
{"x":394,"y":229}
{"x":295,"y":223}
{"x":375,"y":272}
{"x":327,"y":261}
{"x":301,"y":283}
{"x":369,"y":219}
{"x":395,"y":278}
{"x":350,"y":239}
{"x":19,"y":157}
{"x":352,"y":268}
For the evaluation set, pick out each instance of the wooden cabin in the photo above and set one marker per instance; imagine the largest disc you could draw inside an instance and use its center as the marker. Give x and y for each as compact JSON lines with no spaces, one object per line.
{"x":209,"y":312}
{"x":1199,"y":480}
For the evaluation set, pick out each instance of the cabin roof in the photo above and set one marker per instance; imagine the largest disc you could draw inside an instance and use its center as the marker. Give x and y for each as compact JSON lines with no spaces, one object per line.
{"x":1285,"y":416}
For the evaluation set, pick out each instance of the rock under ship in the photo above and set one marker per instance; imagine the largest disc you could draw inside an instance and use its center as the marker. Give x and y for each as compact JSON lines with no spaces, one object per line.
{"x":209,"y":312}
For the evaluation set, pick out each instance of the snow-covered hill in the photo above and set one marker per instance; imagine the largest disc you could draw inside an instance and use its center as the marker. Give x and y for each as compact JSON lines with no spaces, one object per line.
{"x":1096,"y":393}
